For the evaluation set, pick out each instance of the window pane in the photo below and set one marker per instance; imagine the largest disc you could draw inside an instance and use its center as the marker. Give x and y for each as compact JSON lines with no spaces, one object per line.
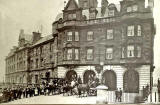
{"x":111,"y":13}
{"x":85,"y":4}
{"x":122,"y":33}
{"x":129,"y":9}
{"x":69,"y":36}
{"x":130,"y":30}
{"x":70,"y":16}
{"x":76,"y":54}
{"x":69,"y":54}
{"x":130,"y":51}
{"x":123,"y":52}
{"x":135,"y":7}
{"x":76,"y":36}
{"x":90,"y":36}
{"x":90,"y":54}
{"x":109,"y":53}
{"x":74,"y":16}
{"x":110,"y":34}
{"x":138,"y":51}
{"x":139,"y":31}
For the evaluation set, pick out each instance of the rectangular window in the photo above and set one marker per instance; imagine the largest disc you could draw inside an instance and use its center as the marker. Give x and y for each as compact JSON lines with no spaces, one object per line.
{"x":109,"y":53}
{"x":89,"y":36}
{"x":69,"y":54}
{"x":85,"y":4}
{"x":130,"y":51}
{"x":110,"y":34}
{"x":89,"y":54}
{"x":36,"y":63}
{"x":111,"y":13}
{"x":74,"y":16}
{"x":122,"y":32}
{"x":69,"y":36}
{"x":130,"y":30}
{"x":123,"y":52}
{"x":139,"y":50}
{"x":71,"y":16}
{"x":139,"y":31}
{"x":129,"y":9}
{"x":76,"y":54}
{"x":76,"y":36}
{"x":92,"y":16}
{"x":134,"y":8}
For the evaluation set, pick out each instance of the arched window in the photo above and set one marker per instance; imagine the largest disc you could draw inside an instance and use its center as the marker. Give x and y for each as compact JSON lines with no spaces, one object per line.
{"x":131,"y":81}
{"x":88,"y":75}
{"x":109,"y":79}
{"x":70,"y":75}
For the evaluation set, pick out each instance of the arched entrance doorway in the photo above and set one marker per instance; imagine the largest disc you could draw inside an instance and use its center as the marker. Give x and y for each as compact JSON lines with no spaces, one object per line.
{"x":70,"y":75}
{"x":110,"y":80}
{"x":88,"y":75}
{"x":131,"y":81}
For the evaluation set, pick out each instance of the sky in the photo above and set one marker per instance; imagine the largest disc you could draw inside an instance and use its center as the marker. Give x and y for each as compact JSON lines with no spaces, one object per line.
{"x":30,"y":15}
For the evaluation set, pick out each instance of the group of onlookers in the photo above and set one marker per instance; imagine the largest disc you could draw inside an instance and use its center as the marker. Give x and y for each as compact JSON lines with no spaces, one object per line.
{"x":14,"y":93}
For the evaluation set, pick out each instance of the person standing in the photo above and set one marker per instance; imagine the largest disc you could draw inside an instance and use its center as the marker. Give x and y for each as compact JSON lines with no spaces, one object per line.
{"x":120,"y":95}
{"x":24,"y":92}
{"x":116,"y":93}
{"x":79,"y":80}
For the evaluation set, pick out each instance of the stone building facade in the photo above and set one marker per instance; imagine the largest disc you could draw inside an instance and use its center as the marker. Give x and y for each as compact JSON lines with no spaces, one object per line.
{"x":113,"y":43}
{"x":28,"y":62}
{"x":17,"y":61}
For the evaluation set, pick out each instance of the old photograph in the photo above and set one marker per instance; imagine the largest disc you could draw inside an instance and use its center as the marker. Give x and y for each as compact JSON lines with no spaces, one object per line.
{"x":79,"y":52}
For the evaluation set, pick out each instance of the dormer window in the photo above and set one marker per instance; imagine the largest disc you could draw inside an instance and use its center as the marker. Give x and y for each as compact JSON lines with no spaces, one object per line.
{"x":111,"y":13}
{"x":72,"y":16}
{"x":132,"y":8}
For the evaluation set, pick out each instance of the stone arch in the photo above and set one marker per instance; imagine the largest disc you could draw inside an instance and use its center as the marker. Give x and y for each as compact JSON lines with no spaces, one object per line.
{"x":88,"y":74}
{"x":109,"y":79}
{"x":131,"y":81}
{"x":70,"y":75}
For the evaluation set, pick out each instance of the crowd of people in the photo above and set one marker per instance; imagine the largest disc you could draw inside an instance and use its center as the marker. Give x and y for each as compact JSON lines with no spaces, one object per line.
{"x":46,"y":88}
{"x":18,"y":92}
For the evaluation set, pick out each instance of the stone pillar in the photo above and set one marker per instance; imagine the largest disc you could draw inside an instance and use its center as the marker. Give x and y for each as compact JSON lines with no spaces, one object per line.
{"x":102,"y":95}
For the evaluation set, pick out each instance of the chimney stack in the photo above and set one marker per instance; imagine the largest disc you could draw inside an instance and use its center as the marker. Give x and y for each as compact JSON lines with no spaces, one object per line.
{"x":36,"y":36}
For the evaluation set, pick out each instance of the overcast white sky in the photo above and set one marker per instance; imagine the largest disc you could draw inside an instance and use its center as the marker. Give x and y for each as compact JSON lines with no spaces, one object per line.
{"x":31,"y":14}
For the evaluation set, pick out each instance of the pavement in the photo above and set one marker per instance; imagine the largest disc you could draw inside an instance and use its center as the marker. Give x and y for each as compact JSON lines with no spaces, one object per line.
{"x":55,"y":99}
{"x":60,"y":99}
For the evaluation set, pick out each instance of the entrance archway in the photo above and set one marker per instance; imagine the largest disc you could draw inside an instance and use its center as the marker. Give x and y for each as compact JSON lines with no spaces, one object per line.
{"x":70,"y":75}
{"x":110,"y":80}
{"x":131,"y":81}
{"x":88,"y":75}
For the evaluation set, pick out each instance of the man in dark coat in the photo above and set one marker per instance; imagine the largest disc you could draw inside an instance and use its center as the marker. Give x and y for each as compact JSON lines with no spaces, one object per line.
{"x":120,"y":95}
{"x":116,"y":93}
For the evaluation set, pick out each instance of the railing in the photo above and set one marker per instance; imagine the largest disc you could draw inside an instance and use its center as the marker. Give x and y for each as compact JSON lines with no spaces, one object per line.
{"x":88,"y":22}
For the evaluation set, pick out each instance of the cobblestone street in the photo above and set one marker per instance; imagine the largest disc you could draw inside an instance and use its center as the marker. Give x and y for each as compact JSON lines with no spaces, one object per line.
{"x":56,"y":99}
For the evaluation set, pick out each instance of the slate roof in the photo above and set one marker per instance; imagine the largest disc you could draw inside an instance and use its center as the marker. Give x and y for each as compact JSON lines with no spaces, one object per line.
{"x":44,"y":39}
